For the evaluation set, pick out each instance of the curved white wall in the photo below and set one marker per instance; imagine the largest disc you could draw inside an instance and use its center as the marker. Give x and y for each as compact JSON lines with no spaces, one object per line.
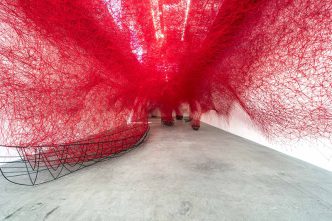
{"x":317,"y":152}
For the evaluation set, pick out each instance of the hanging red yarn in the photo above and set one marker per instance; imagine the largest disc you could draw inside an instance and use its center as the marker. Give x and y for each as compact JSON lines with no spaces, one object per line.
{"x":73,"y":68}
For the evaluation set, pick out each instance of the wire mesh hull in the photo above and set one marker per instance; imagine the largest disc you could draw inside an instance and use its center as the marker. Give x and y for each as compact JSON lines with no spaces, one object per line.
{"x":41,"y":164}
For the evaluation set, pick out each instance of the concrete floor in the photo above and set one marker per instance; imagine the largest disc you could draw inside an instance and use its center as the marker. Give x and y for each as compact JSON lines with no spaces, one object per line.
{"x":181,"y":174}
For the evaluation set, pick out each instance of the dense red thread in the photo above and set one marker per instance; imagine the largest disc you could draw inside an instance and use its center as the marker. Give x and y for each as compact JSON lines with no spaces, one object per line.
{"x":70,"y":69}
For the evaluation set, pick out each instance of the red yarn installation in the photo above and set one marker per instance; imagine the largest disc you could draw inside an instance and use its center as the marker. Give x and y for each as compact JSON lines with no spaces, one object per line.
{"x":73,"y":68}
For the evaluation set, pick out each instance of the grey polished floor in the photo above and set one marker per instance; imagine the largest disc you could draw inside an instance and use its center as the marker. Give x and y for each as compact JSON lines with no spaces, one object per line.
{"x":181,"y":174}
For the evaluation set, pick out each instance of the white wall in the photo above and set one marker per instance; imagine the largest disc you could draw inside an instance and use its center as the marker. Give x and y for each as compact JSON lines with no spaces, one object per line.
{"x":8,"y":155}
{"x":317,"y":152}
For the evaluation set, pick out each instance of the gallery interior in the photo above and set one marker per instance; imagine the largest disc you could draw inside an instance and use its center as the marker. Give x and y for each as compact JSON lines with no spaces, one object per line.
{"x":165,"y":110}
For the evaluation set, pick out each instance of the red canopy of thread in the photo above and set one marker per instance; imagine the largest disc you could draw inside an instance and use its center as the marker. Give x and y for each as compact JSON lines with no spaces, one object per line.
{"x":73,"y":68}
